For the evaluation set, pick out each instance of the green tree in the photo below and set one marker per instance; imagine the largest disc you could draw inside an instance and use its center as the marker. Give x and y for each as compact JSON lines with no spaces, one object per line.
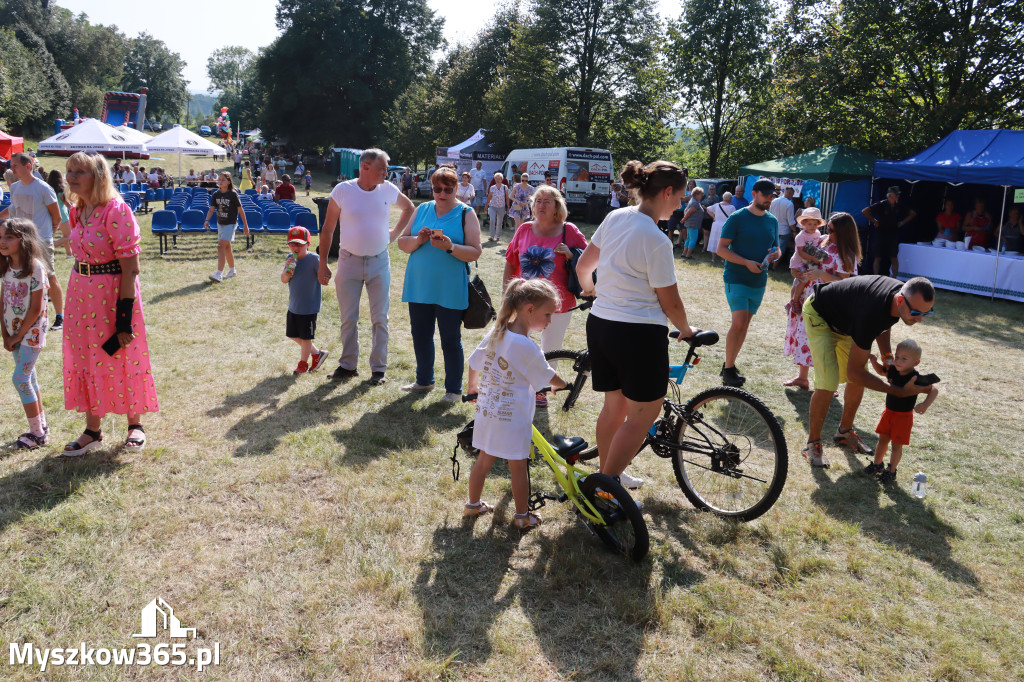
{"x":91,"y":58}
{"x":356,"y":58}
{"x":150,"y":64}
{"x":900,"y":73}
{"x":24,"y":89}
{"x":719,"y":51}
{"x":601,"y":47}
{"x":229,"y":67}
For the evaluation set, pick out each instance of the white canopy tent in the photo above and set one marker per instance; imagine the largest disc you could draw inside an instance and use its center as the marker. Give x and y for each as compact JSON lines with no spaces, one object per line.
{"x":466,"y":153}
{"x":92,"y":135}
{"x":134,"y":135}
{"x":180,"y":140}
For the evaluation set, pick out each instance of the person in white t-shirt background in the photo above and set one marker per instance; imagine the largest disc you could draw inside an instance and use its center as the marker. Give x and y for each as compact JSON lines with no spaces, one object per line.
{"x":636,"y":291}
{"x":478,"y":178}
{"x":361,"y":211}
{"x":506,"y":371}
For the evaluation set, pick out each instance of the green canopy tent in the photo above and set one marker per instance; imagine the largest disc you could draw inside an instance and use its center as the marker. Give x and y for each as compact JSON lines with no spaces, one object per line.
{"x":828,"y":166}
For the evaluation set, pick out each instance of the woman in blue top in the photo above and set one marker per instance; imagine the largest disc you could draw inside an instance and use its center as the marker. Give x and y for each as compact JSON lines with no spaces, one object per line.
{"x":443,"y":237}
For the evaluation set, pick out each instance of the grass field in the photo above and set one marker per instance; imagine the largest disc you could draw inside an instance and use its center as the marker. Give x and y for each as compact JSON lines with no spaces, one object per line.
{"x":314,"y":531}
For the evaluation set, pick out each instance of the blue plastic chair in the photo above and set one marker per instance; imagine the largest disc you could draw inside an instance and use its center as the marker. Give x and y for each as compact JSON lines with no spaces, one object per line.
{"x":178,"y":211}
{"x":124,"y":188}
{"x":277,"y":221}
{"x":165,"y":226}
{"x":135,"y":187}
{"x":308,"y":221}
{"x":192,"y":221}
{"x":251,"y":192}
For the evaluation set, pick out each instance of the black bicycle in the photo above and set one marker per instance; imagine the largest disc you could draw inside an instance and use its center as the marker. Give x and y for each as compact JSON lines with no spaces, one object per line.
{"x":727,"y":448}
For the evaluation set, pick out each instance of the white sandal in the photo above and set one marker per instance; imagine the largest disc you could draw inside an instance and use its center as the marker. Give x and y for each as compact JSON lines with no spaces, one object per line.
{"x":76,"y":447}
{"x":474,"y":510}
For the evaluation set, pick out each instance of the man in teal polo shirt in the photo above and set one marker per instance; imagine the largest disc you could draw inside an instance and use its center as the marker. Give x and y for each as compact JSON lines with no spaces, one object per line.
{"x":750,"y":240}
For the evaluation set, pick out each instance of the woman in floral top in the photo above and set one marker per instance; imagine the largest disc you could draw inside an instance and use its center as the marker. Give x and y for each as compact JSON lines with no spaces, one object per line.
{"x":106,"y":354}
{"x":843,"y":248}
{"x":540,"y":249}
{"x":521,"y":194}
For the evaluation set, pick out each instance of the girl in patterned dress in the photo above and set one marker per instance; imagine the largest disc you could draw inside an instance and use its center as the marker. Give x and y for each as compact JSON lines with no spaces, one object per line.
{"x":106,"y":354}
{"x":25,"y":282}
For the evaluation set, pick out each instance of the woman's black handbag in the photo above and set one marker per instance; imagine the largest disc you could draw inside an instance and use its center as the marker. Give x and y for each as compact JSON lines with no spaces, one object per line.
{"x":574,"y":282}
{"x":480,"y":312}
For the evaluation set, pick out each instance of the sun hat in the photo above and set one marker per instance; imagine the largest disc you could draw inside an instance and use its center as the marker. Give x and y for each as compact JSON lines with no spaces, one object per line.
{"x":811,"y":213}
{"x":298,"y":235}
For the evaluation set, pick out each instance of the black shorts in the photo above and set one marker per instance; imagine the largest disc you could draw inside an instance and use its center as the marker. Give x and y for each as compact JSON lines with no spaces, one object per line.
{"x":300,"y":326}
{"x":887,"y":244}
{"x":628,"y":357}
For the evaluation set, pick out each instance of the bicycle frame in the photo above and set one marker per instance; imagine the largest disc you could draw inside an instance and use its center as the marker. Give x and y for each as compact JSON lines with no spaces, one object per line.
{"x":539,"y":447}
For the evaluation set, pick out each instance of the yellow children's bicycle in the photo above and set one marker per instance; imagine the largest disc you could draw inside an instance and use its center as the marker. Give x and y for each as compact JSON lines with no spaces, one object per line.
{"x":600,"y":501}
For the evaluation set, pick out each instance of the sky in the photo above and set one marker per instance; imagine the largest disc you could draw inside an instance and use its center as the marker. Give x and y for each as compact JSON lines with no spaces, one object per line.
{"x":194,"y":29}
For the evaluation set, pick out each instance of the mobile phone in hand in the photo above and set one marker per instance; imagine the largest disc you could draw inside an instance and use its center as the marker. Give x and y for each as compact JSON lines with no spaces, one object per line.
{"x":436,"y":234}
{"x":111,"y":345}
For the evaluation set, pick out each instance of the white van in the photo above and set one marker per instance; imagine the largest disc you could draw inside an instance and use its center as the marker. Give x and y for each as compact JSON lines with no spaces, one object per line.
{"x":576,"y":171}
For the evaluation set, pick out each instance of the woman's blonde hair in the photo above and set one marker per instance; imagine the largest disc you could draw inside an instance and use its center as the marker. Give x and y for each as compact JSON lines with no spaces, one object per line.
{"x":102,"y":184}
{"x":561,"y":210}
{"x":520,"y":292}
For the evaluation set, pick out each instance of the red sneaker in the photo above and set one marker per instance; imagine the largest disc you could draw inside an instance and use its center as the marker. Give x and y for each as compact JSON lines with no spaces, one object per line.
{"x":318,"y":360}
{"x":302,"y":368}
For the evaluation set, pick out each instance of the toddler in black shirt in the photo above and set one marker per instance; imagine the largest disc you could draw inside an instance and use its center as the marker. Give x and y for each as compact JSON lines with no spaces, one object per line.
{"x":898,"y":416}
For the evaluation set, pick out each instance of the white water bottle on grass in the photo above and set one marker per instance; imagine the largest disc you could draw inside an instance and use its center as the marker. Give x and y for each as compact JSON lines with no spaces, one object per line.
{"x":919,"y":484}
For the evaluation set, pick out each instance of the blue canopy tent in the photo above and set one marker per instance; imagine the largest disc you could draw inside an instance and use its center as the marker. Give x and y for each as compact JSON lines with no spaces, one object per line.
{"x":981,"y":157}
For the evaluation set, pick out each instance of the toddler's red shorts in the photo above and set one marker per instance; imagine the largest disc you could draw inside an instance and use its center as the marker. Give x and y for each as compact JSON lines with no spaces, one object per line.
{"x":896,"y":425}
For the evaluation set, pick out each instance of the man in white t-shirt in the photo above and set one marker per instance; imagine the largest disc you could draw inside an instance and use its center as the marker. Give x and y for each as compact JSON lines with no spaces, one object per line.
{"x":784,"y":211}
{"x":127,"y":175}
{"x":237,"y":159}
{"x":361,"y":210}
{"x":35,"y":200}
{"x":478,"y":178}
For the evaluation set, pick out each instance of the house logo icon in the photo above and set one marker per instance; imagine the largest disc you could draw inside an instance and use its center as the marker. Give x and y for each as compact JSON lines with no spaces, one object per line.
{"x":158,"y":615}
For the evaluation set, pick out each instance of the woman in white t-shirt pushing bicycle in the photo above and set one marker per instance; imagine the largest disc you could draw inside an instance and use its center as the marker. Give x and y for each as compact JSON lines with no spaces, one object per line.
{"x":636,"y":292}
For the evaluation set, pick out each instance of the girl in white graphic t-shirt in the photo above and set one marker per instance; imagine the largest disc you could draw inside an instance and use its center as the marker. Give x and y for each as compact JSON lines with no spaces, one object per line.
{"x":506,"y":370}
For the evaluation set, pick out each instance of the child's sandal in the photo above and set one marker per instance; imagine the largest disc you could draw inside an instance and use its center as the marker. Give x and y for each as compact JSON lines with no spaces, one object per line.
{"x":134,"y":443}
{"x":474,"y":510}
{"x":30,"y":441}
{"x":526,"y":521}
{"x":75,"y":447}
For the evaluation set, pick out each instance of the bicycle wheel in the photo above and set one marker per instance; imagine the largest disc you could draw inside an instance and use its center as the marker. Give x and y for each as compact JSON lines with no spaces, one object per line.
{"x":625,"y":531}
{"x":732,"y":457}
{"x":573,"y":411}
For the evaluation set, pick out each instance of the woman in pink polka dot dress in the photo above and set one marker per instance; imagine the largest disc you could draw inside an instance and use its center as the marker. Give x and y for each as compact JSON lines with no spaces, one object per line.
{"x":106,"y":355}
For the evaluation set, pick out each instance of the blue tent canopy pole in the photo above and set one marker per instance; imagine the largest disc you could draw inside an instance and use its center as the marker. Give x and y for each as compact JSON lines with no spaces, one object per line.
{"x":999,"y":237}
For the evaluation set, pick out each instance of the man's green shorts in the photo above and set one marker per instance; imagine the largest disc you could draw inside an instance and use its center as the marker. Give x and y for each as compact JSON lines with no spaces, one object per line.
{"x":830,"y":351}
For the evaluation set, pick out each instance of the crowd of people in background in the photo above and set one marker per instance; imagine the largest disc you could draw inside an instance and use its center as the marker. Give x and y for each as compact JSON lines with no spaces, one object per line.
{"x":636,"y":296}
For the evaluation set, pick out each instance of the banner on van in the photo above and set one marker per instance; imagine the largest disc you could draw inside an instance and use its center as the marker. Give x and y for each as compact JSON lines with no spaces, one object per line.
{"x":587,"y":155}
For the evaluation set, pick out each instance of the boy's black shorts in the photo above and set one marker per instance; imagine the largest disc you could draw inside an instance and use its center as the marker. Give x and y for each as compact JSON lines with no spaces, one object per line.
{"x":300,"y":326}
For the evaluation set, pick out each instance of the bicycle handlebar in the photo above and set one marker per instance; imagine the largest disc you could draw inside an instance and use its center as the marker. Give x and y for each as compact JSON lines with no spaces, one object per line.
{"x":470,"y":397}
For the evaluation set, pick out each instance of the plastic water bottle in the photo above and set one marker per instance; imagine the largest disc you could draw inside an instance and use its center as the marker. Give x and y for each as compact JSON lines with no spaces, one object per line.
{"x":290,"y":263}
{"x":919,"y":484}
{"x":764,"y":262}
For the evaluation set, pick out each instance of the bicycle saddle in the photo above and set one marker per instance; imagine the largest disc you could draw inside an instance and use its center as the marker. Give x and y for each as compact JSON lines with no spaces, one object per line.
{"x":708,"y":338}
{"x":568,"y":446}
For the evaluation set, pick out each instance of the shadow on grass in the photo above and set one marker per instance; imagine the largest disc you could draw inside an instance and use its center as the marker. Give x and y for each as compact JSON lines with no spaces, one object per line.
{"x":49,"y":482}
{"x":186,"y":290}
{"x":801,"y":402}
{"x":458,"y":587}
{"x":404,"y":424}
{"x":906,"y":524}
{"x":262,"y":431}
{"x":590,"y":609}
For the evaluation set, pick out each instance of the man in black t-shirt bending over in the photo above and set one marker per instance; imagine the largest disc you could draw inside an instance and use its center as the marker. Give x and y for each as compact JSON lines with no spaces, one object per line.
{"x":842,"y":320}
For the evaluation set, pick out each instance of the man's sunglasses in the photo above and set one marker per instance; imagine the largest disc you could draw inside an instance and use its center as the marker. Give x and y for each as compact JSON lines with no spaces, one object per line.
{"x":917,"y":313}
{"x":442,"y":190}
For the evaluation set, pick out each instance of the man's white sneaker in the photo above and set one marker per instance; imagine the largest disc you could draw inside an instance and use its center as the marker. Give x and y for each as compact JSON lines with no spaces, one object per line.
{"x":230,"y":273}
{"x":630,"y":482}
{"x":217,"y":277}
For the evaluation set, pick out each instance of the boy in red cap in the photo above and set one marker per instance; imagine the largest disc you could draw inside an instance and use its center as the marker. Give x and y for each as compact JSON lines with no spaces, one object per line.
{"x":300,"y":274}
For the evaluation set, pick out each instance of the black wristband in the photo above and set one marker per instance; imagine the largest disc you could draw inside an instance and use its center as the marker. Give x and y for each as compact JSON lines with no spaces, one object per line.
{"x":125,"y":308}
